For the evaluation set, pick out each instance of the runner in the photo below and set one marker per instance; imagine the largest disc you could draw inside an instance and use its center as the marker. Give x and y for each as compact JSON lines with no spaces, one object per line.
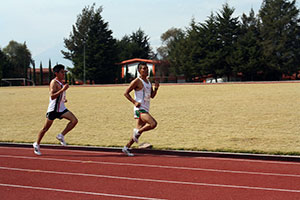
{"x":143,"y":92}
{"x":56,"y":108}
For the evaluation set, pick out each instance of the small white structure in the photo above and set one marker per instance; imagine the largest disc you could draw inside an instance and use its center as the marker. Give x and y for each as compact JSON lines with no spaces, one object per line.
{"x":130,"y":66}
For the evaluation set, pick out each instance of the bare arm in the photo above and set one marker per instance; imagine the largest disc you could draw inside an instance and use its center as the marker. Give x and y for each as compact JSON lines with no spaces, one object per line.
{"x":154,"y":92}
{"x":133,"y":85}
{"x":55,"y":90}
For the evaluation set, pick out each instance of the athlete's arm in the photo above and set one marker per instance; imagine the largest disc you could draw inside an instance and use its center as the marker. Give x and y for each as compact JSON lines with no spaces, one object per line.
{"x":133,"y":85}
{"x":55,"y":90}
{"x":154,"y":92}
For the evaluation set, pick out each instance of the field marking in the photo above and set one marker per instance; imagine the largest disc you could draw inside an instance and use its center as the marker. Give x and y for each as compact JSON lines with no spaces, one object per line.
{"x":154,"y":166}
{"x":152,"y":180}
{"x":171,"y":156}
{"x":76,"y":192}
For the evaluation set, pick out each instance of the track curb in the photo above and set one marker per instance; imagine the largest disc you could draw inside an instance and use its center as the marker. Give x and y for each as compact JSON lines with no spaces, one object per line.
{"x":267,"y":157}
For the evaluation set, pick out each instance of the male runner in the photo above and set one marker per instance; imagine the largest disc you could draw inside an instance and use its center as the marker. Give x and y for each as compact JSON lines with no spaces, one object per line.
{"x":56,"y":108}
{"x":143,"y":92}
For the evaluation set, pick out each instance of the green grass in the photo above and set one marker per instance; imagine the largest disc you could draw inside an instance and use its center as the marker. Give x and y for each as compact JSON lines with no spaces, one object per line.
{"x":252,"y":118}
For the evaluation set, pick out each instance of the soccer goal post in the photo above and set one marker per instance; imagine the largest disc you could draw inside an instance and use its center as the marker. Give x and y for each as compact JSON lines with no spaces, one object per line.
{"x":10,"y":81}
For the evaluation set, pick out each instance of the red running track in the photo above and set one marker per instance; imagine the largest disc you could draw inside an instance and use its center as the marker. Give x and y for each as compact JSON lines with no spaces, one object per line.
{"x":73,"y":174}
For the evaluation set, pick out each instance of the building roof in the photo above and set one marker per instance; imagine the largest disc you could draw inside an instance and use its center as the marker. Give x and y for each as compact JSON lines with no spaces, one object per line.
{"x":37,"y":70}
{"x":138,"y":60}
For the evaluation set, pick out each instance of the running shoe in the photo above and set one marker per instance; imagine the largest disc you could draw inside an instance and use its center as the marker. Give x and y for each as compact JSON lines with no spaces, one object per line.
{"x":126,"y":151}
{"x":136,"y":135}
{"x":61,"y":139}
{"x":36,"y":149}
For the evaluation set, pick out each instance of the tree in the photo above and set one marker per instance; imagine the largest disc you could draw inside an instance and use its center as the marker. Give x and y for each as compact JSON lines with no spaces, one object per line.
{"x":280,"y":37}
{"x":209,"y":41}
{"x":4,"y":65}
{"x":141,"y":45}
{"x":136,"y":45}
{"x":41,"y":73}
{"x":248,"y":58}
{"x":50,"y":71}
{"x":171,"y":50}
{"x":228,"y":32}
{"x":34,"y":73}
{"x":91,"y":45}
{"x":20,"y":59}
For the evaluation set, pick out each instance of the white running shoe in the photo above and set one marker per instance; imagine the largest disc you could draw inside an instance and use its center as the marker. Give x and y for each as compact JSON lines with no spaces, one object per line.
{"x":126,"y":151}
{"x":36,"y":149}
{"x":61,"y":139}
{"x":136,"y":135}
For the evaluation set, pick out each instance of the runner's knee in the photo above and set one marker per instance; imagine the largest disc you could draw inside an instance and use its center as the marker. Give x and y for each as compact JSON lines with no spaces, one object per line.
{"x":153,"y":124}
{"x":74,"y":121}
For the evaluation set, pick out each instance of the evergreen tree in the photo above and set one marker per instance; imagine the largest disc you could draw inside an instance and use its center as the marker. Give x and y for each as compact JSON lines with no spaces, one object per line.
{"x":50,"y":71}
{"x":91,"y":33}
{"x":136,"y":45}
{"x":208,"y":39}
{"x":4,"y":65}
{"x":228,"y":31}
{"x":140,"y":45}
{"x":41,"y":74}
{"x":34,"y":73}
{"x":248,"y":58}
{"x":280,"y":37}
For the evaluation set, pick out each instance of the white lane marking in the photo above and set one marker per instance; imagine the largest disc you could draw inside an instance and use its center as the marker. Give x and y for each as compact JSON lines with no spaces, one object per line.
{"x":153,"y":180}
{"x":171,"y":156}
{"x":155,"y":166}
{"x":76,"y":192}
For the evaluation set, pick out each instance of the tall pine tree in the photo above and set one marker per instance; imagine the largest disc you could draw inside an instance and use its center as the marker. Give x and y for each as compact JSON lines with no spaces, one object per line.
{"x":41,"y":74}
{"x":280,"y":37}
{"x":248,"y":59}
{"x":91,"y":43}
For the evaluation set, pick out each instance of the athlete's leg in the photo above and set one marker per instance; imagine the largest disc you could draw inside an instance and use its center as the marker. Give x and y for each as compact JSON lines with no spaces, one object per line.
{"x":149,"y":122}
{"x":139,"y":124}
{"x":73,"y":121}
{"x":42,"y":132}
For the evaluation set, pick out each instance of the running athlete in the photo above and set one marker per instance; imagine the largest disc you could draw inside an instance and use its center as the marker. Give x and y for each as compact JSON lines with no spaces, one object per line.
{"x":143,"y":92}
{"x":56,"y":108}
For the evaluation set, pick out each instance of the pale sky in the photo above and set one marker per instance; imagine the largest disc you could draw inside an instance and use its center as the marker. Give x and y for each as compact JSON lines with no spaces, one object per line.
{"x":43,"y":24}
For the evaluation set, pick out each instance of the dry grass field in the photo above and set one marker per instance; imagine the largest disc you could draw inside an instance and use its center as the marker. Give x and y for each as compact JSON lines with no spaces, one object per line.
{"x":218,"y":117}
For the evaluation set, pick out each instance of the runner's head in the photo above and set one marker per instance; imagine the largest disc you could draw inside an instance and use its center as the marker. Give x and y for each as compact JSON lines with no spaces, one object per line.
{"x":143,"y":69}
{"x":59,"y":71}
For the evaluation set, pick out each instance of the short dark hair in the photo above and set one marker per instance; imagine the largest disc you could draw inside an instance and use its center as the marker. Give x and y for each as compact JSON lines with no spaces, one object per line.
{"x":58,"y":67}
{"x":142,"y":64}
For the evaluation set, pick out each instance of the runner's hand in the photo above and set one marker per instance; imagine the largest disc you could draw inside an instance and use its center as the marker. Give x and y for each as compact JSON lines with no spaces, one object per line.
{"x":137,"y":104}
{"x":156,"y":85}
{"x":66,"y":86}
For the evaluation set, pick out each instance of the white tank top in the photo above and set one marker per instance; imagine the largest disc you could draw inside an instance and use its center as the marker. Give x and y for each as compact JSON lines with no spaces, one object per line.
{"x":58,"y":104}
{"x":143,"y":96}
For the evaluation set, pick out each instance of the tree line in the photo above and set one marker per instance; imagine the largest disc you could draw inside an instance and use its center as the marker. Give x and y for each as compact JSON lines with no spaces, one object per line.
{"x":259,"y":47}
{"x":250,"y":47}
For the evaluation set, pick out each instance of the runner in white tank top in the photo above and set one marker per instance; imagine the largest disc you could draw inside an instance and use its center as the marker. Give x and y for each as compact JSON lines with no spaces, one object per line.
{"x":58,"y":104}
{"x":56,"y":108}
{"x":143,"y":92}
{"x":143,"y":96}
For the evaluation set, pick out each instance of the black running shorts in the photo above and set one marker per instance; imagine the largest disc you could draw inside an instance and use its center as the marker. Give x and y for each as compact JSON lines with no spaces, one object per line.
{"x":55,"y":115}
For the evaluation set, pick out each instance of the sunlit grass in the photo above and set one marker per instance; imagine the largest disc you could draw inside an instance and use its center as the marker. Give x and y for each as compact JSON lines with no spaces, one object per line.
{"x":226,"y":117}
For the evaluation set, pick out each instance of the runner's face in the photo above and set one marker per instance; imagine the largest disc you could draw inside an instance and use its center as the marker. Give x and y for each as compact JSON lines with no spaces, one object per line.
{"x":61,"y":74}
{"x":144,"y":70}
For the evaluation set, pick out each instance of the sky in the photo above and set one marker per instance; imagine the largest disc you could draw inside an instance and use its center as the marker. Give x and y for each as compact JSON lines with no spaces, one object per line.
{"x":43,"y":24}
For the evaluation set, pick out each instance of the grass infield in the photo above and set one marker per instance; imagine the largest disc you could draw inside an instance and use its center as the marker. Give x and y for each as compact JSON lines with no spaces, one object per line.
{"x":255,"y":118}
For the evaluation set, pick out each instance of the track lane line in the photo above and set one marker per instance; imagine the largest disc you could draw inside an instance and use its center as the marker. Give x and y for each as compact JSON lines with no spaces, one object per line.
{"x":153,"y":180}
{"x":171,"y":156}
{"x":156,"y":166}
{"x":76,"y":192}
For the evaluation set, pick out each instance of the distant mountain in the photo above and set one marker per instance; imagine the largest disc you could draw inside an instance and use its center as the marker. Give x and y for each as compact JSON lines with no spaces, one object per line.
{"x":54,"y":54}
